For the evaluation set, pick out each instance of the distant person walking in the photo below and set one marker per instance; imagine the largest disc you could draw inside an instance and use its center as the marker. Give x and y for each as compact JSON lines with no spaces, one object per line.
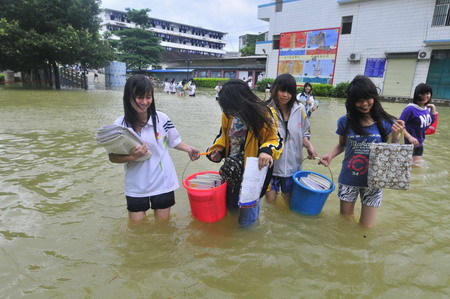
{"x":217,"y":89}
{"x":96,"y":76}
{"x":307,"y":99}
{"x":418,"y":116}
{"x":192,"y":89}
{"x":166,"y":86}
{"x":173,"y":86}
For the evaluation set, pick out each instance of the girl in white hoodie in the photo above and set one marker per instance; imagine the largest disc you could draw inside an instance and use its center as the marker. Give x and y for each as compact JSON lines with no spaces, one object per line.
{"x":293,"y":126}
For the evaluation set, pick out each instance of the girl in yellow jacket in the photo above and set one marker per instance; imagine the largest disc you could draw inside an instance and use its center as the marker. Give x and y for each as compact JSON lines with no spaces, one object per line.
{"x":249,"y":129}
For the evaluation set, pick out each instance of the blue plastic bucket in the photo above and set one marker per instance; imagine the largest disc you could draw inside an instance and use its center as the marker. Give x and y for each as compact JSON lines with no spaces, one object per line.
{"x":305,"y":200}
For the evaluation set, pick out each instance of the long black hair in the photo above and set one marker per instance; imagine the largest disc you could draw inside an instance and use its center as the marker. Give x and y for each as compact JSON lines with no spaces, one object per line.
{"x":284,"y":83}
{"x":362,"y":88}
{"x":421,"y":89}
{"x":138,"y":86}
{"x":310,"y":86}
{"x":236,"y":99}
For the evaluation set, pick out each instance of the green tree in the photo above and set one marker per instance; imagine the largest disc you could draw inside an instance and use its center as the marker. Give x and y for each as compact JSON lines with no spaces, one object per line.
{"x":43,"y":34}
{"x":139,"y":17}
{"x":137,"y":47}
{"x":249,"y":49}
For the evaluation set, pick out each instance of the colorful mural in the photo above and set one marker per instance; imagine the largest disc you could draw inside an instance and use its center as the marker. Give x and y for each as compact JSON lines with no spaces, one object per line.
{"x":309,"y":56}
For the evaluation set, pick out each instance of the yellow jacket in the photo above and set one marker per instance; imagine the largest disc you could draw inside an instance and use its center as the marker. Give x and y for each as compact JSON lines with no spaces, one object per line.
{"x":272,"y":143}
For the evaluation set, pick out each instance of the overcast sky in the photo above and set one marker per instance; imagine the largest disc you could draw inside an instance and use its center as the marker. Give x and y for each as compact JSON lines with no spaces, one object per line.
{"x":236,"y":17}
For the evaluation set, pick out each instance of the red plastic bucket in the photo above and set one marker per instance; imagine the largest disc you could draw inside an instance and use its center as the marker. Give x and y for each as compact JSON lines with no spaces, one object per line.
{"x":207,"y":205}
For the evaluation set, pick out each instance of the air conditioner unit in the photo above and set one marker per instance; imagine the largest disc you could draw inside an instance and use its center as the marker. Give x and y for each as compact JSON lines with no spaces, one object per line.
{"x":424,"y":54}
{"x":354,"y":57}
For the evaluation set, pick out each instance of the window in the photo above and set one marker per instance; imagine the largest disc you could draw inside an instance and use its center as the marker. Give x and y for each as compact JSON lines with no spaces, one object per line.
{"x":346,"y":27}
{"x":278,"y":5}
{"x":441,"y":15}
{"x":229,"y":74}
{"x":276,"y":42}
{"x":216,"y":74}
{"x":202,"y":74}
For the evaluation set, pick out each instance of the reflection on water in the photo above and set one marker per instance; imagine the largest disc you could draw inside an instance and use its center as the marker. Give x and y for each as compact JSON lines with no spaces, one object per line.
{"x":64,"y":230}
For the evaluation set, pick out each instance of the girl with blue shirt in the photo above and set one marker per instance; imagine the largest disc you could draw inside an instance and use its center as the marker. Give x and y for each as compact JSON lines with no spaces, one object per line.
{"x":149,"y":183}
{"x":365,"y":122}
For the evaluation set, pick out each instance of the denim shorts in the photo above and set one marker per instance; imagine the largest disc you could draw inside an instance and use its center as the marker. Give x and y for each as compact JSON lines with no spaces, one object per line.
{"x":282,"y":184}
{"x":155,"y":202}
{"x":369,"y":197}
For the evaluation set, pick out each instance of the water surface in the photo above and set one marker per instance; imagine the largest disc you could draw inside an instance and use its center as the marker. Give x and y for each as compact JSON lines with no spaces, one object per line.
{"x":64,"y":230}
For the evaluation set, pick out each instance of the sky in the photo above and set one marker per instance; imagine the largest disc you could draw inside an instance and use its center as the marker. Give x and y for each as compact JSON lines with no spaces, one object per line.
{"x":235,"y":17}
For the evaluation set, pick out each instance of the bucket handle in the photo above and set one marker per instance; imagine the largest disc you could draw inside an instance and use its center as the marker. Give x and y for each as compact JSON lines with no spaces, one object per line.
{"x":317,"y":158}
{"x":184,"y":171}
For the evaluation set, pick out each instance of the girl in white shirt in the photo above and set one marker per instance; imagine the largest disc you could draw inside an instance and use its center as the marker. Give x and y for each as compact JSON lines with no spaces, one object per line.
{"x":166,"y":86}
{"x":150,"y":183}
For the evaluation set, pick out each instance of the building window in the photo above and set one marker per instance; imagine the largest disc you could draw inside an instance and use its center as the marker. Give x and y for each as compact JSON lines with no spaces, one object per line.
{"x":229,"y":74}
{"x":278,"y":5}
{"x":276,"y":42}
{"x":216,"y":74}
{"x":202,"y":74}
{"x":346,"y":27}
{"x":441,"y":15}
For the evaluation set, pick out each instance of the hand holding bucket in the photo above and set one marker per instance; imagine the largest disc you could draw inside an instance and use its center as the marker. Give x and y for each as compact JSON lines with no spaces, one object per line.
{"x":305,"y":199}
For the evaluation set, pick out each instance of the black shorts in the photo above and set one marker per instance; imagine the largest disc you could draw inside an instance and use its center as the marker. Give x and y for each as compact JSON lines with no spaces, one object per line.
{"x":418,"y":151}
{"x":155,"y":202}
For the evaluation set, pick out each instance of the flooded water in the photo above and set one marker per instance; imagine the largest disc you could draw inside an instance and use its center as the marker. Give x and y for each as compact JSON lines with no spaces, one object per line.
{"x":64,"y":230}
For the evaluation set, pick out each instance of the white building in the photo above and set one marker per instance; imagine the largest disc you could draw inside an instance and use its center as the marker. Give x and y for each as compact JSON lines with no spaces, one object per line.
{"x":175,"y":37}
{"x":398,"y":43}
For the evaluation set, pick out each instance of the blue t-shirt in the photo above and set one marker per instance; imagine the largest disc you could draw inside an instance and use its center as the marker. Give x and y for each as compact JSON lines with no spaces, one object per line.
{"x":356,"y":160}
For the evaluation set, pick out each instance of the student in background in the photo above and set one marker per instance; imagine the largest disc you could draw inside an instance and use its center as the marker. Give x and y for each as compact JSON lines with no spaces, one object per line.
{"x":217,"y":89}
{"x":418,"y":116}
{"x":166,"y":86}
{"x":192,"y":89}
{"x":248,"y":130}
{"x":96,"y":76}
{"x":365,"y":122}
{"x":149,"y":183}
{"x":307,"y":99}
{"x":173,"y":86}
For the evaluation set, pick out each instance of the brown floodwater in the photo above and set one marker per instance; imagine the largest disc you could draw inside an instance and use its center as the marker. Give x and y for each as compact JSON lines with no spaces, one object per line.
{"x":64,"y":230}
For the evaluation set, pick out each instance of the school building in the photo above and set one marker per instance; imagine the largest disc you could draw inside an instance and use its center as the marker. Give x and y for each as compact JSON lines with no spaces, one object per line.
{"x":397,"y":43}
{"x":179,"y":40}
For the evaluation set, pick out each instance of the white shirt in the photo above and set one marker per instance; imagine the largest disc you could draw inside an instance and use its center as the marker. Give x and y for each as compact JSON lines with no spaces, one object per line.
{"x":166,"y":86}
{"x":156,"y":175}
{"x":192,"y":89}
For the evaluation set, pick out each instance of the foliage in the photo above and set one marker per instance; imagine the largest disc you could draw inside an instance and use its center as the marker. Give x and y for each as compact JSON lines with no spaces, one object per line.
{"x":42,"y":34}
{"x":138,"y":48}
{"x":340,"y":91}
{"x":2,"y":77}
{"x":322,"y":90}
{"x":209,"y":82}
{"x":261,"y":84}
{"x":139,"y":17}
{"x":249,"y":49}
